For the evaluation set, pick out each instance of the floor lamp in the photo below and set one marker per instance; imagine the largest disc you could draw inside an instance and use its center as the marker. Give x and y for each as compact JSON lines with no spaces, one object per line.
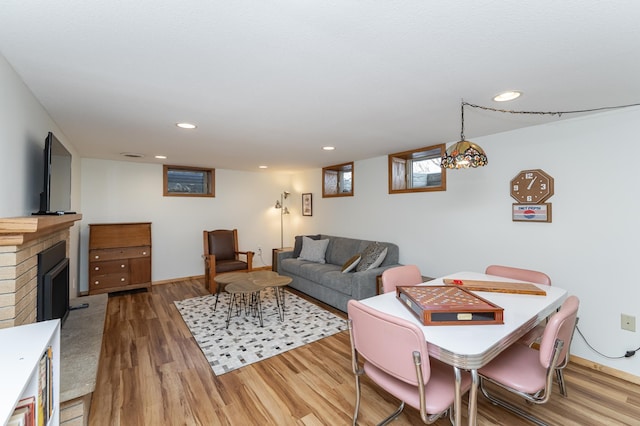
{"x":283,"y":211}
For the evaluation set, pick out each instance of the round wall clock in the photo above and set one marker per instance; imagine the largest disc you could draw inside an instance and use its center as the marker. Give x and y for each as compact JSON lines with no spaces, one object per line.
{"x":532,"y":186}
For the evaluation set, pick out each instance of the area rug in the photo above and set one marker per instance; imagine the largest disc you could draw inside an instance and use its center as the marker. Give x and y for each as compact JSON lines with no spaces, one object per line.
{"x":245,"y":342}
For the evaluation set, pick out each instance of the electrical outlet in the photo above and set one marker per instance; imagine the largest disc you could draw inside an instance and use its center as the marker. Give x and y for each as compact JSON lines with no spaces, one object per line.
{"x":628,"y":322}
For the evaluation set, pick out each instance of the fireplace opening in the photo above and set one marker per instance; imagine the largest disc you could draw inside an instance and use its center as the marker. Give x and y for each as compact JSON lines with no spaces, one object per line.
{"x":53,"y":283}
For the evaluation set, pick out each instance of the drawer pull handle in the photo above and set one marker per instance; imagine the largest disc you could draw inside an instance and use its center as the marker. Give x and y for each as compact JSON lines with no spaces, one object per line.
{"x":121,"y":279}
{"x":97,"y":282}
{"x":122,"y":266}
{"x":144,"y":253}
{"x":97,"y":257}
{"x":97,"y":268}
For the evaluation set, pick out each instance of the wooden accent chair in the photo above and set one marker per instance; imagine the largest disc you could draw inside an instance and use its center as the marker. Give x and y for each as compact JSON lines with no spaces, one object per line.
{"x":405,"y":275}
{"x":528,"y":372}
{"x":395,"y":356}
{"x":221,"y":254}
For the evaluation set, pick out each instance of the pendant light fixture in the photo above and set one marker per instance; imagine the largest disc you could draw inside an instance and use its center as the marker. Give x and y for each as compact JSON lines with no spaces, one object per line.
{"x":463,"y":154}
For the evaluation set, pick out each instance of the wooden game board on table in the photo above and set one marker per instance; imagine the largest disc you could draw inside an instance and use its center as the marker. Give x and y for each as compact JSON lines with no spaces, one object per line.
{"x":449,"y":305}
{"x":497,"y":286}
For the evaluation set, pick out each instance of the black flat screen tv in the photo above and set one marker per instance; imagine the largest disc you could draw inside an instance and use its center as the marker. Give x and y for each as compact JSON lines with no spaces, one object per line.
{"x":55,"y":197}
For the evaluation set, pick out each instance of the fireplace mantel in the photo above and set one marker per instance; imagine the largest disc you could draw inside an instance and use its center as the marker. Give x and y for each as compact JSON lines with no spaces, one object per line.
{"x":15,"y":231}
{"x":21,"y":239}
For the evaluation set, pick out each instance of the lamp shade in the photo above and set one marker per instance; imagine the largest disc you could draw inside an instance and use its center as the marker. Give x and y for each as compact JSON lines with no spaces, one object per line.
{"x":462,"y":155}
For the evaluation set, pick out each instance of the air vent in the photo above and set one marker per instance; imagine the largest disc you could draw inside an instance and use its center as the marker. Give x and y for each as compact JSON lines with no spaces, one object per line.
{"x":131,"y":154}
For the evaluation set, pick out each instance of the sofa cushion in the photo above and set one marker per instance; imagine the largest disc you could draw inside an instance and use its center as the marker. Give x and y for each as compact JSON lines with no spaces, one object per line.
{"x":350,"y":264}
{"x":313,"y":250}
{"x":297,"y":246}
{"x":372,"y":257}
{"x":341,"y":249}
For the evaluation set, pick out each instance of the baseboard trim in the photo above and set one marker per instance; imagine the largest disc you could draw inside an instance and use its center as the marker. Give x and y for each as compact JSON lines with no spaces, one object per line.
{"x":623,"y":375}
{"x":177,"y":280}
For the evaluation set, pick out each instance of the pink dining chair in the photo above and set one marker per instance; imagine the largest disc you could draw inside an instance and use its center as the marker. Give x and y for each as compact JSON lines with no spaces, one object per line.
{"x":534,"y":335}
{"x":405,"y":275}
{"x":528,"y":372}
{"x":395,"y":356}
{"x":518,"y":274}
{"x":528,"y":275}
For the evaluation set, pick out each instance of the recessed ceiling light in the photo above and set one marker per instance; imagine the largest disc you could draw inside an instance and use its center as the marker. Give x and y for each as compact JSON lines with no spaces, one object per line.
{"x":509,"y":95}
{"x":328,"y":148}
{"x":262,"y":167}
{"x":161,"y":157}
{"x":186,"y":125}
{"x":132,"y":154}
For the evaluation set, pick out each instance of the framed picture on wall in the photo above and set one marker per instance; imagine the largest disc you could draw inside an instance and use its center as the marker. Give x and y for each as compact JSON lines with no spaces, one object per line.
{"x":307,"y":208}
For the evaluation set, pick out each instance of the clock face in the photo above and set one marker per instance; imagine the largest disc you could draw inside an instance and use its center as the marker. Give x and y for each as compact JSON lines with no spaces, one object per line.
{"x":532,"y":186}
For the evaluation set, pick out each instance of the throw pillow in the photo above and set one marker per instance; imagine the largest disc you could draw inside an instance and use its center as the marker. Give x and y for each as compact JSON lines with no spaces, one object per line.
{"x":297,"y":247}
{"x":372,"y":257}
{"x":350,"y":264}
{"x":313,"y":250}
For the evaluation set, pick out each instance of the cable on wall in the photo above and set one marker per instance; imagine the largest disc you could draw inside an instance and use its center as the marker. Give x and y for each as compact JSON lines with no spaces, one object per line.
{"x":627,"y":354}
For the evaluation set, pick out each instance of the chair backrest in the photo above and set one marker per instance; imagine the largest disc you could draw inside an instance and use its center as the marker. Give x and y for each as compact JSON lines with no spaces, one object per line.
{"x":223,"y":243}
{"x":518,"y":274}
{"x":399,"y":276}
{"x":388,"y":342}
{"x":560,"y":326}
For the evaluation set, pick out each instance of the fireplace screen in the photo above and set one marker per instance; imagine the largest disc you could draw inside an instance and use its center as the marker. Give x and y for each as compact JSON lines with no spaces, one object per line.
{"x":53,"y":283}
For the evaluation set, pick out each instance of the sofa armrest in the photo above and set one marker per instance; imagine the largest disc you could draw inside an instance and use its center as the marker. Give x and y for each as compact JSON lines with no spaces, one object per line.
{"x":282,"y":255}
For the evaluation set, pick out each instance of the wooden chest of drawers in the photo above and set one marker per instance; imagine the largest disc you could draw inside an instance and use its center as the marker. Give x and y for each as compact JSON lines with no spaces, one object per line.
{"x":119,"y":256}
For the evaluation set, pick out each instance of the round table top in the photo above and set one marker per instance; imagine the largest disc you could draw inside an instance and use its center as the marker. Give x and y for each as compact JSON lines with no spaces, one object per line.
{"x":278,"y":281}
{"x":242,"y":287}
{"x":259,"y":279}
{"x":229,"y":277}
{"x":262,"y":275}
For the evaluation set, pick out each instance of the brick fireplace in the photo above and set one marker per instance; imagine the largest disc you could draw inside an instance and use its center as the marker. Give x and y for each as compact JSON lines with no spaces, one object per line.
{"x":21,"y":239}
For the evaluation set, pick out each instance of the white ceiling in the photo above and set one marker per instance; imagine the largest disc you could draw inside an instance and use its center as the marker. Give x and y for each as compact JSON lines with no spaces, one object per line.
{"x":271,"y":82}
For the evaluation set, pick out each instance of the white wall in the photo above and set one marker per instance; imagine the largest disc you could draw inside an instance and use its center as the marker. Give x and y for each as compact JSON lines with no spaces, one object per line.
{"x":590,"y":248}
{"x":24,"y":125}
{"x":121,"y":191}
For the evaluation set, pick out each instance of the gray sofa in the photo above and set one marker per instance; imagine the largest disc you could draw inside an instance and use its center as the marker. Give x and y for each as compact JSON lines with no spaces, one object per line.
{"x":326,"y":281}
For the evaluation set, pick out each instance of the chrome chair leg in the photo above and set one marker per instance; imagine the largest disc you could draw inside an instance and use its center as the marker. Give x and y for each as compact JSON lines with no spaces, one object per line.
{"x":393,"y":415}
{"x":561,"y":384}
{"x":355,"y":413}
{"x":509,"y":407}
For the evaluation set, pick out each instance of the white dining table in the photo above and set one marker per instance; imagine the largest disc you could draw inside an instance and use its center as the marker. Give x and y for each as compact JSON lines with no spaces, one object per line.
{"x":470,"y":347}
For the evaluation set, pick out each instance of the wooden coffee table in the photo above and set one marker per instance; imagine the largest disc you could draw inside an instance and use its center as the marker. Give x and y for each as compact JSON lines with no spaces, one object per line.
{"x":278,"y":282}
{"x":245,"y":287}
{"x":244,"y":292}
{"x":227,"y":278}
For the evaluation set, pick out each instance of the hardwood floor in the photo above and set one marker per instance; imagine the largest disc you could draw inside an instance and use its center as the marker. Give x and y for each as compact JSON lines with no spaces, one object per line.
{"x":152,"y":372}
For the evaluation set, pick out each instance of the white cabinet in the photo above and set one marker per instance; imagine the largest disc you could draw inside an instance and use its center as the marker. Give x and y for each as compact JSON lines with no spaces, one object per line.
{"x":23,"y":352}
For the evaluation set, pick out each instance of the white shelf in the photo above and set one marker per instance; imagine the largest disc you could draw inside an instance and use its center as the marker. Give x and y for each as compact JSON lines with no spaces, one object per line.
{"x":21,"y":349}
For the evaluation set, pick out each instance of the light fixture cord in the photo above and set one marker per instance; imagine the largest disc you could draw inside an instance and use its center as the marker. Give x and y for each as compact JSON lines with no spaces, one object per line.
{"x":558,"y":113}
{"x":462,"y":103}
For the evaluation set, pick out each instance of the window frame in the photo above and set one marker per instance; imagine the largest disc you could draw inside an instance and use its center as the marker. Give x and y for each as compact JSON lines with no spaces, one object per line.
{"x":408,"y":157}
{"x":338,"y":169}
{"x":210,"y":177}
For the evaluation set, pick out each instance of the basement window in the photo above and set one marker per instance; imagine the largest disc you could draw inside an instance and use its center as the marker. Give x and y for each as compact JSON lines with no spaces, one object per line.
{"x":183,"y":181}
{"x":337,"y":181}
{"x":418,"y":170}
